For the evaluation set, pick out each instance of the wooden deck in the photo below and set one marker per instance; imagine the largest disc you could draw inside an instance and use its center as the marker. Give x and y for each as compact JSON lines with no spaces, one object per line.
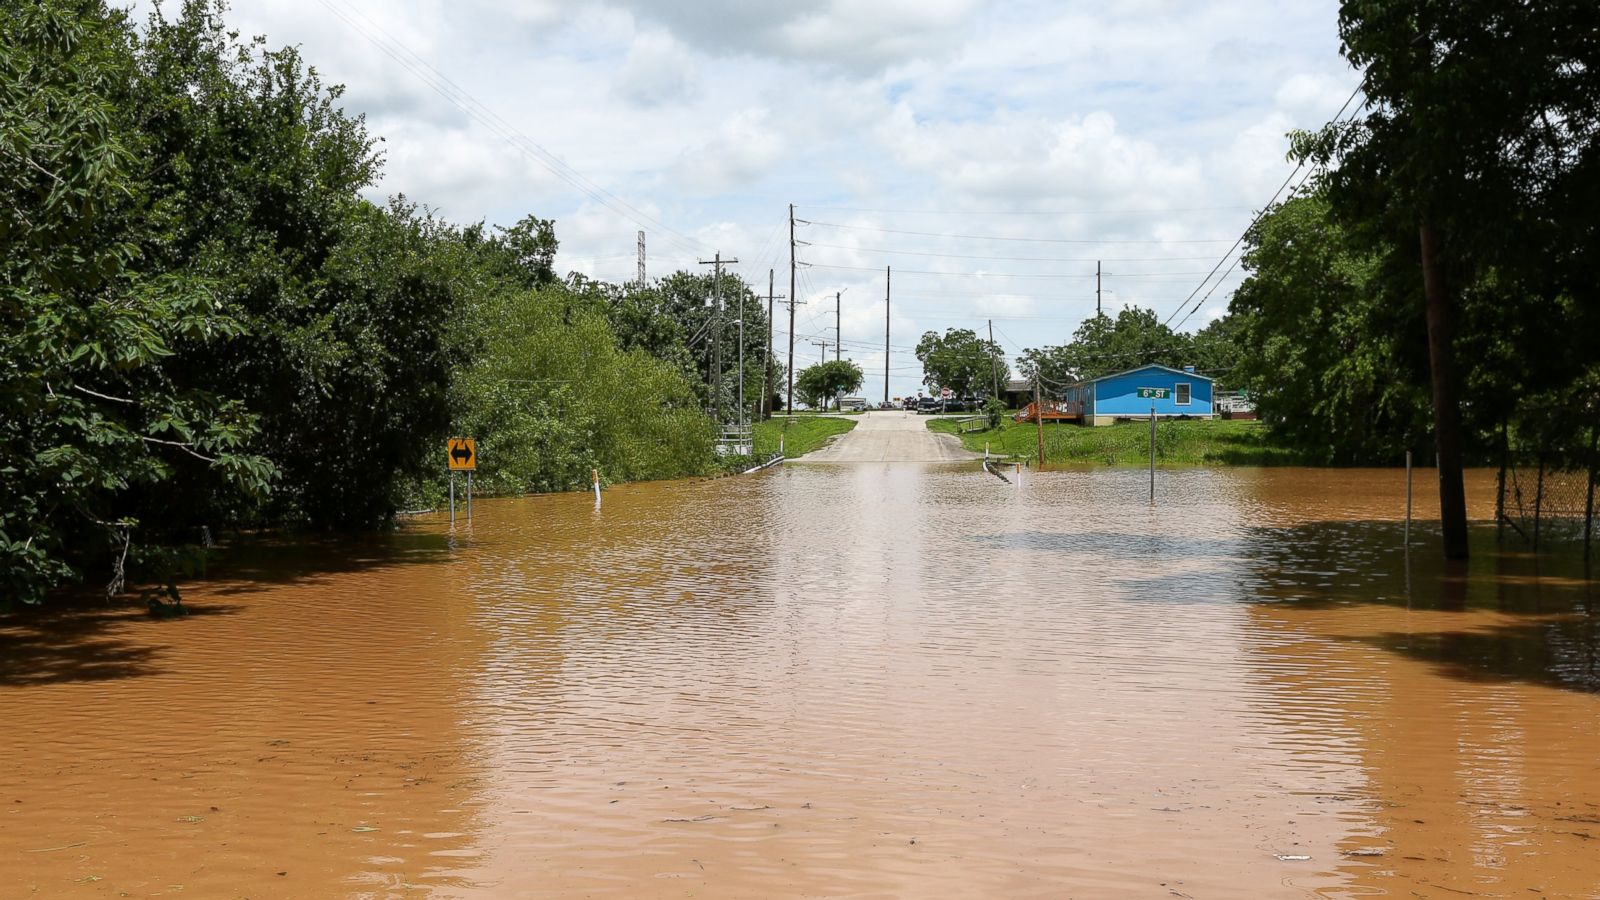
{"x":1051,"y":412}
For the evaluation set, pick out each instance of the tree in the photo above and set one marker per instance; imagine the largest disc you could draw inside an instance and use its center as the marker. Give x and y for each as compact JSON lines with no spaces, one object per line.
{"x":1102,"y":345}
{"x":1332,"y":360}
{"x":961,"y":361}
{"x":825,"y":381}
{"x":257,"y":175}
{"x":95,"y":403}
{"x":1480,"y":115}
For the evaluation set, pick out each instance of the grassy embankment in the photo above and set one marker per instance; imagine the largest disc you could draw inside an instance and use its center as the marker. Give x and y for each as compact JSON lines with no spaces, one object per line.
{"x":801,"y":434}
{"x":1191,"y":443}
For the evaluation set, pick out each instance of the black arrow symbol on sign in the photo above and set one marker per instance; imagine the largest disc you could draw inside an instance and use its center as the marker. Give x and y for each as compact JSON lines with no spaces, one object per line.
{"x":461,"y":453}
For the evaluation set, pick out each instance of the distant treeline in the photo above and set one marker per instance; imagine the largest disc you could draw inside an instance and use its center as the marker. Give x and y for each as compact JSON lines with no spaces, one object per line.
{"x":206,"y":325}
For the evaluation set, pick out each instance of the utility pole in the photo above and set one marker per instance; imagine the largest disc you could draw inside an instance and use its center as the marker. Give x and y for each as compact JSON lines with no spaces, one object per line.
{"x":838,"y":331}
{"x":1097,"y":311}
{"x":641,"y":259}
{"x":767,"y":386}
{"x":790,"y":404}
{"x":1446,"y":401}
{"x":887,"y":282}
{"x":824,"y":345}
{"x":1038,"y":416}
{"x":717,"y":263}
{"x":994,"y":370}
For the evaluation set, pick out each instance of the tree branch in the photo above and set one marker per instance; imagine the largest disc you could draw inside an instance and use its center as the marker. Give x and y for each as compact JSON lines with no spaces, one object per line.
{"x":79,"y":387}
{"x":187,"y":448}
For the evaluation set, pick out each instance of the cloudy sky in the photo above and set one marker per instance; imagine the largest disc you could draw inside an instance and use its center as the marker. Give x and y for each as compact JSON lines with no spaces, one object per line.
{"x":989,"y":153}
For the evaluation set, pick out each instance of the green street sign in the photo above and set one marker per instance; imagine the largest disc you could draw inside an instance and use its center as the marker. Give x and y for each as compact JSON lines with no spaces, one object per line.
{"x":1154,"y":393}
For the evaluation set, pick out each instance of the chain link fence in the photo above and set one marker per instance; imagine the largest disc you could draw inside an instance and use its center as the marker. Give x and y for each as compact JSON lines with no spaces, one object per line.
{"x":1549,"y":460}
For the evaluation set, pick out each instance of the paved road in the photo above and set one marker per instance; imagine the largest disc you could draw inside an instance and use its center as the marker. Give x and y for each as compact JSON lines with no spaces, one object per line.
{"x":891,"y":436}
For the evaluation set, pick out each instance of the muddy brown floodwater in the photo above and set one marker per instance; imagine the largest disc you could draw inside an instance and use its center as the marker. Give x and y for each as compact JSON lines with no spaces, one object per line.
{"x":875,"y":681}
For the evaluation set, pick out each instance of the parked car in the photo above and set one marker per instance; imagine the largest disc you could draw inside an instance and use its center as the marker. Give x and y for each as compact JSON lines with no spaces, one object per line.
{"x":955,"y":404}
{"x":929,"y":405}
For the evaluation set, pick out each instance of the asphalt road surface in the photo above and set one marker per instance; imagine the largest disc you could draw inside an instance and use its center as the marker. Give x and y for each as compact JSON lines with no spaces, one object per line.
{"x":891,"y":436}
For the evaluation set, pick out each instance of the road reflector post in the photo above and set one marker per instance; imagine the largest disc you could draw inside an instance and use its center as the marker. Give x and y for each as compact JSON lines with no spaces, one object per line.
{"x":595,"y":474}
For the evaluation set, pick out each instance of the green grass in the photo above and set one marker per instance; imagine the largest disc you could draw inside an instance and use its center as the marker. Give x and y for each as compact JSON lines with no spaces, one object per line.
{"x":801,"y":434}
{"x":1191,"y":443}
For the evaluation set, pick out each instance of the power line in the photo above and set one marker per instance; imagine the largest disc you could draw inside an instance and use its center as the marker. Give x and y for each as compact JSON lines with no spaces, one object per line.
{"x":1029,"y":212}
{"x":1013,"y":258}
{"x":1298,"y":166}
{"x":1003,"y":274}
{"x":992,"y":237}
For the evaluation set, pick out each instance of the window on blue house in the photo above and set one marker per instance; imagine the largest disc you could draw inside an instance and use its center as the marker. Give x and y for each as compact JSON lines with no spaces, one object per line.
{"x":1181,"y":395}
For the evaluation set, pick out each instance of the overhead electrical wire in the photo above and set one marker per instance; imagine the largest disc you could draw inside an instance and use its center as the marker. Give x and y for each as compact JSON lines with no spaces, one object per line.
{"x":1257,"y":218}
{"x":1000,"y":274}
{"x":992,"y":237}
{"x":1014,"y":258}
{"x":1023,"y":212}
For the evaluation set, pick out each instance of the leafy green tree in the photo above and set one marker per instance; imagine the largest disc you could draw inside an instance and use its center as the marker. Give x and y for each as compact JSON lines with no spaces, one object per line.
{"x":1103,"y":344}
{"x":94,"y":403}
{"x":550,"y":395}
{"x":1333,"y":362}
{"x":961,"y":361}
{"x":827,"y":381}
{"x":256,"y":179}
{"x":1480,"y":137}
{"x":1214,"y":350}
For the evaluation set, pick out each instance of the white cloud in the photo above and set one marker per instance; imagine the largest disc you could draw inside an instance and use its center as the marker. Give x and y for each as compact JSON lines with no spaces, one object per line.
{"x":1148,"y":120}
{"x":657,"y":71}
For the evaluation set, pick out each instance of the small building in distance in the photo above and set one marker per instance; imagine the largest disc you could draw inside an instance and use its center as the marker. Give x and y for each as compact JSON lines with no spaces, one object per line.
{"x":1115,"y":397}
{"x":1017,"y":393}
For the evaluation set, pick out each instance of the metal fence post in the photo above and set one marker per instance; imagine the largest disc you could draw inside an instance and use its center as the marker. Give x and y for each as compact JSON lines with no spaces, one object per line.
{"x":1588,"y":505}
{"x":1408,"y":498}
{"x":1538,"y":502}
{"x":1500,"y":485}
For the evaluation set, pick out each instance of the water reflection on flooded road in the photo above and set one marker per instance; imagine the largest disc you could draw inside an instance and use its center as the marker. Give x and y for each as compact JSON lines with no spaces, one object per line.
{"x":874,"y":680}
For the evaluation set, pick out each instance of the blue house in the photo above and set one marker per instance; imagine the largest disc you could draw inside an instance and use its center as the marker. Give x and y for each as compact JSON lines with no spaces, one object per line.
{"x":1104,"y":400}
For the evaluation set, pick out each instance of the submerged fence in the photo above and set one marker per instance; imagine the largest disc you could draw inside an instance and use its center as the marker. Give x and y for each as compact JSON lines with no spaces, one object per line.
{"x":1550,"y":459}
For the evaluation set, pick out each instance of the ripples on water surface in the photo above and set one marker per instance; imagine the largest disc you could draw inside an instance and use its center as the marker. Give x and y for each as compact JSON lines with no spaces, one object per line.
{"x":883,"y":680}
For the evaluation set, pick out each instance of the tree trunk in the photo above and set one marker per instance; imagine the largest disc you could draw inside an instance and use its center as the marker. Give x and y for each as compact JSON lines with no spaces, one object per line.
{"x":1446,"y":401}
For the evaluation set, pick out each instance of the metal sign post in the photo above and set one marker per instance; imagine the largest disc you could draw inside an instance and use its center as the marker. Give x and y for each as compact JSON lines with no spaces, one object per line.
{"x":1153,"y":394}
{"x":461,"y":455}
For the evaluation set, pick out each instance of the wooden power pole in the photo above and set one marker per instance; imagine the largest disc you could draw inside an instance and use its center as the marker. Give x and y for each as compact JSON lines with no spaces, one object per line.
{"x":994,"y":369}
{"x":887,"y":281}
{"x":1446,"y":400}
{"x":790,"y":404}
{"x":764,"y":408}
{"x":1038,"y":417}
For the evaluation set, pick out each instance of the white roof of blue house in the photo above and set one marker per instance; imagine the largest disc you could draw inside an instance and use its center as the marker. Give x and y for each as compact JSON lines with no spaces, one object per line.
{"x":1142,"y":368}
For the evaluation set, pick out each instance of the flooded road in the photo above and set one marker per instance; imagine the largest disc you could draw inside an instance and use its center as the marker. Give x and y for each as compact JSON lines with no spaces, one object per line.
{"x":874,"y":680}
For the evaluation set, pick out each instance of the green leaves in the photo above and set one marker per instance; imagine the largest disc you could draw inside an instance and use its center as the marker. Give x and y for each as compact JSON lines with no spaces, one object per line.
{"x":960,"y":361}
{"x":825,"y":381}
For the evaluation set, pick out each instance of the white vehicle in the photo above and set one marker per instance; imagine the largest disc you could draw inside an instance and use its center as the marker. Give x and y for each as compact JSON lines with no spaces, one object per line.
{"x":852,"y":404}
